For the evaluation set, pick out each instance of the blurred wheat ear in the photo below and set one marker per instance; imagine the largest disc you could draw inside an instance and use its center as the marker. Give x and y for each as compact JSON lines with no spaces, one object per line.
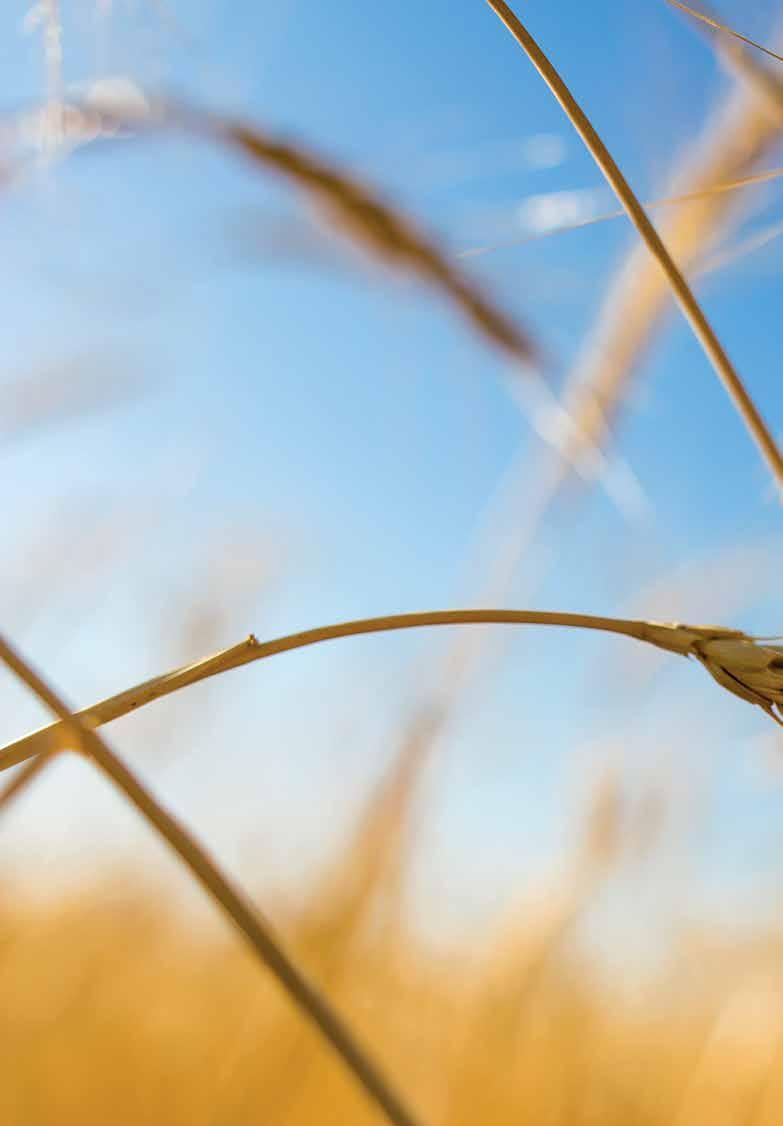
{"x":687,"y":301}
{"x":251,"y":925}
{"x":383,"y":231}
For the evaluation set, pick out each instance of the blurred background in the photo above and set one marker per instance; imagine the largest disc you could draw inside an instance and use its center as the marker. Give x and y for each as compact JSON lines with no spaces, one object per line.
{"x":541,"y":869}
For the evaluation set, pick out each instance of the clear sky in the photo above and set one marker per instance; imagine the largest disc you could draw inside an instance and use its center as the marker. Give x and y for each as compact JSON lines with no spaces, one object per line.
{"x":218,"y":418}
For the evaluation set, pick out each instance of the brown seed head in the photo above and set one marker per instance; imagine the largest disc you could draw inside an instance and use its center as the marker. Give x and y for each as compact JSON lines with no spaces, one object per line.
{"x":746,"y":668}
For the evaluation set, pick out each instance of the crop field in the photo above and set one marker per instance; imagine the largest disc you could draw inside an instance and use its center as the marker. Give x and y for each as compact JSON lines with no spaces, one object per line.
{"x":392,"y":674}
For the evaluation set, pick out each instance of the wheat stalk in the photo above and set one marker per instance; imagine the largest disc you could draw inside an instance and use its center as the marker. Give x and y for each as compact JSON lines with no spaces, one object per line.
{"x":746,"y":127}
{"x":577,"y":427}
{"x":718,"y":26}
{"x":682,"y":291}
{"x":697,"y":196}
{"x":728,"y":255}
{"x":735,"y":659}
{"x":236,"y":906}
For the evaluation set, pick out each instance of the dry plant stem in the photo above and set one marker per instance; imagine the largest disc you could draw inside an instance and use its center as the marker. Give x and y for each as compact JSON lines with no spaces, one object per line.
{"x":56,"y":736}
{"x":682,"y":291}
{"x":666,"y":201}
{"x":735,"y":137}
{"x":696,"y":15}
{"x":728,"y":255}
{"x":257,"y":932}
{"x":24,"y":778}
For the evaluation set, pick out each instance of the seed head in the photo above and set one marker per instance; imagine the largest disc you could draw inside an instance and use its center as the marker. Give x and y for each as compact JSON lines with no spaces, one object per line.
{"x":748,"y":669}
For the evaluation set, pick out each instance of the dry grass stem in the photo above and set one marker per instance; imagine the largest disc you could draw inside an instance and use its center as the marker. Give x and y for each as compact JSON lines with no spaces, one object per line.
{"x":728,"y":255}
{"x":667,"y":201}
{"x":577,"y":427}
{"x":755,"y":671}
{"x":722,"y":27}
{"x":682,"y":291}
{"x":267,"y":947}
{"x":24,"y":777}
{"x":737,"y":135}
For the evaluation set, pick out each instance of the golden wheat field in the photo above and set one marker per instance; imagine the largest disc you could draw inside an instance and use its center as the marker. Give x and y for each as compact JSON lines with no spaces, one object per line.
{"x":392,"y":678}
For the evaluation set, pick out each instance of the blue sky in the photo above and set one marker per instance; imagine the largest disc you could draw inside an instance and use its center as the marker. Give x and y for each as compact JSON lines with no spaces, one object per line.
{"x":336,"y":432}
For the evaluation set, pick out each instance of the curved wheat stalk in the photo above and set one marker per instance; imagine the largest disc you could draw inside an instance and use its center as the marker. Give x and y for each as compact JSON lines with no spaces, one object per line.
{"x":732,"y":657}
{"x":235,"y":905}
{"x":682,"y":291}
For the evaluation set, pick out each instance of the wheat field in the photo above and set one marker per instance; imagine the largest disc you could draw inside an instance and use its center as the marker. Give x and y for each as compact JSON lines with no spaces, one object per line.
{"x":507,"y":857}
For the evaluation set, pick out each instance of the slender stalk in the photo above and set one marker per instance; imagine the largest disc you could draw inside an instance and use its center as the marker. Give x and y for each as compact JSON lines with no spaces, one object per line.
{"x":728,"y":255}
{"x":55,"y":736}
{"x":682,"y":291}
{"x":25,"y":777}
{"x":666,"y":201}
{"x":696,"y":15}
{"x":254,"y":928}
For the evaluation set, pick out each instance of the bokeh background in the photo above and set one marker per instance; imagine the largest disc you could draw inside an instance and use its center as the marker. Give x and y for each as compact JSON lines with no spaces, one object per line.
{"x":218,"y":415}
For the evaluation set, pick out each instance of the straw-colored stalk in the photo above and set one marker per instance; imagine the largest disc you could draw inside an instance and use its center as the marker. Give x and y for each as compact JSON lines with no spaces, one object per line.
{"x":737,"y":251}
{"x":745,"y":127}
{"x":237,"y":907}
{"x":741,"y":130}
{"x":724,"y":28}
{"x":734,"y":138}
{"x":696,"y":196}
{"x":682,"y":291}
{"x":736,"y":660}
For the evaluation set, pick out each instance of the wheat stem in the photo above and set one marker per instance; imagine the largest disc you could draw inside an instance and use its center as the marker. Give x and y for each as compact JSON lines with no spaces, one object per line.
{"x":682,"y":291}
{"x":666,"y":201}
{"x":696,"y":15}
{"x":254,"y":928}
{"x":54,"y":736}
